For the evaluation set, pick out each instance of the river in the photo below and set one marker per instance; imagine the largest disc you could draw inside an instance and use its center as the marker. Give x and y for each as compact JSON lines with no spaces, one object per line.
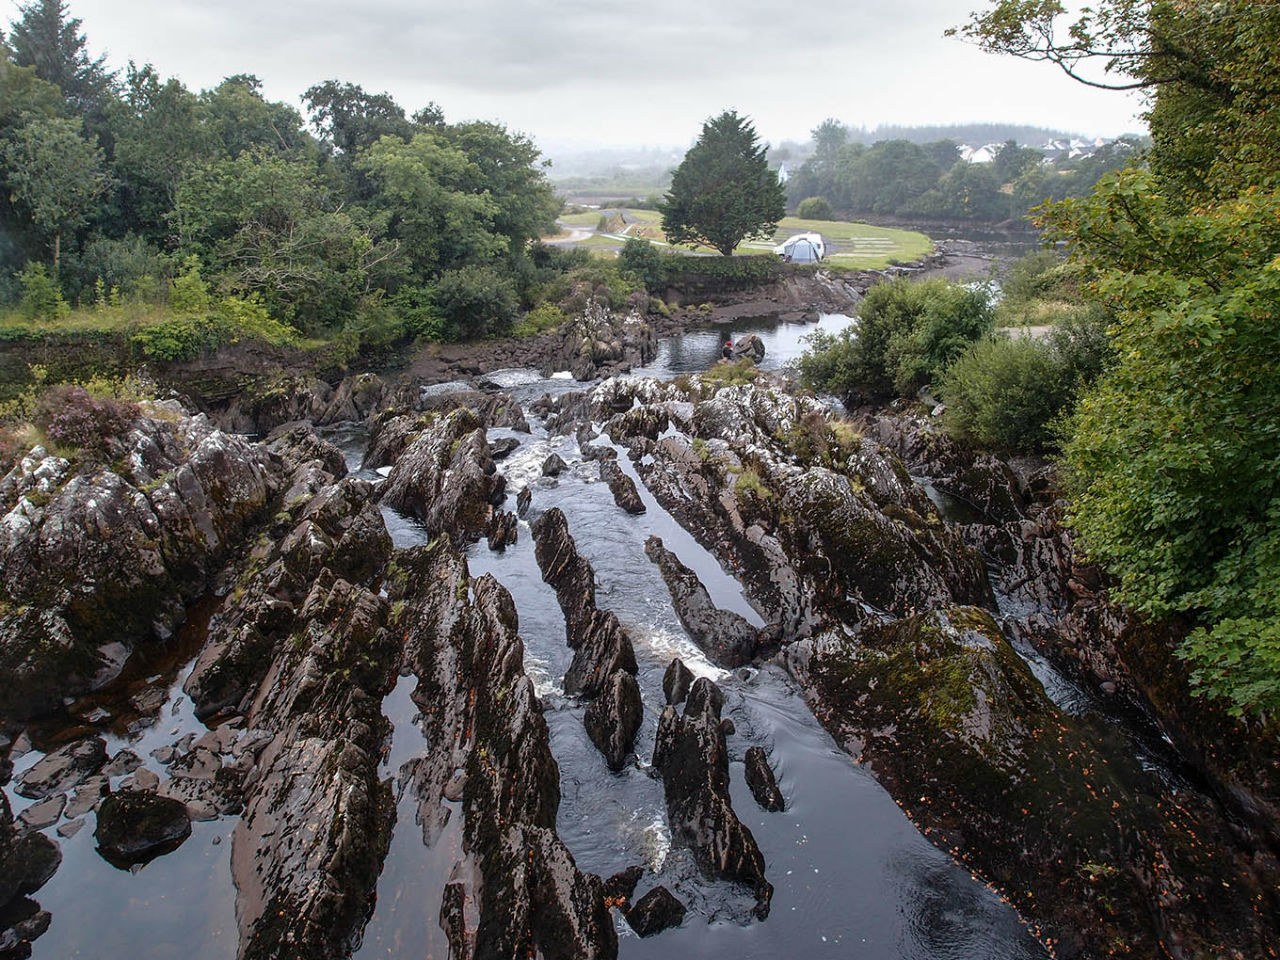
{"x":852,"y":875}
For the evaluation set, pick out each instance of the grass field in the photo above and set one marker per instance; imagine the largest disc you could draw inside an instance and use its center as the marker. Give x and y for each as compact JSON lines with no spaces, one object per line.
{"x":849,"y":244}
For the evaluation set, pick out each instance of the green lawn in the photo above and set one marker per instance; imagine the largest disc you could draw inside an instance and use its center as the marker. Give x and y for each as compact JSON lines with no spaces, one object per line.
{"x":849,"y":244}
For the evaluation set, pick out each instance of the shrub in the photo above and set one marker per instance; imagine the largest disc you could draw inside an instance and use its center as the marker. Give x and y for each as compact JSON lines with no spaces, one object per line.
{"x":1004,"y":393}
{"x":41,"y":295}
{"x":1013,"y":393}
{"x":543,"y":317}
{"x":417,"y":309}
{"x":187,"y":291}
{"x":643,"y":260}
{"x":815,"y":208}
{"x":476,"y":301}
{"x":376,"y":325}
{"x":71,"y":417}
{"x":1042,"y":275}
{"x":906,"y":334}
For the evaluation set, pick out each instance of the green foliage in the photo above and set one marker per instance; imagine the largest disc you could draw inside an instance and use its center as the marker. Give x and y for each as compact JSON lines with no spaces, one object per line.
{"x":188,"y":292}
{"x":905,"y":335}
{"x":815,"y":208}
{"x":1042,"y":275}
{"x":476,"y":301}
{"x":645,"y":262}
{"x":543,"y":317}
{"x":749,"y":482}
{"x":41,"y":295}
{"x":417,"y":309}
{"x":723,"y":192}
{"x":187,"y":336}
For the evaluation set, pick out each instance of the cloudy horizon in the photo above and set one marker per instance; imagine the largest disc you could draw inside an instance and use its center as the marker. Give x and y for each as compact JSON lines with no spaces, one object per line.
{"x":587,"y":73}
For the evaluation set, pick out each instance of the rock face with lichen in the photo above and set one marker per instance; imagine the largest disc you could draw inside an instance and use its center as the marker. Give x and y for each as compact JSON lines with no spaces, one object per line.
{"x":951,"y":720}
{"x":599,"y":342}
{"x":447,"y":479}
{"x":93,"y":553}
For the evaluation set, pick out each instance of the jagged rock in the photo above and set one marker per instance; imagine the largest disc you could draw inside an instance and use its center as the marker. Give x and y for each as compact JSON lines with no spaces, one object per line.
{"x":481,"y":715}
{"x":316,"y":824}
{"x":760,"y":778}
{"x":503,"y":531}
{"x":613,"y":718}
{"x":953,"y":723}
{"x":676,"y":682}
{"x":523,"y":499}
{"x":447,"y":479}
{"x":728,"y":638}
{"x":334,"y":527}
{"x":138,"y":827}
{"x":600,"y":645}
{"x":61,"y":770}
{"x":621,"y":486}
{"x":299,"y":443}
{"x":90,"y":556}
{"x":390,"y":433}
{"x":656,"y":911}
{"x":749,"y":346}
{"x":691,"y":756}
{"x":354,"y":399}
{"x":566,"y":570}
{"x":554,"y":465}
{"x":598,"y":451}
{"x":491,"y":409}
{"x":502,"y":448}
{"x":125,"y":761}
{"x":622,"y":884}
{"x":598,"y":342}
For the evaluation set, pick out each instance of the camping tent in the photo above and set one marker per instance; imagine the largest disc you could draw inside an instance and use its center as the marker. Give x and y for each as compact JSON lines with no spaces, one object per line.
{"x":801,"y":250}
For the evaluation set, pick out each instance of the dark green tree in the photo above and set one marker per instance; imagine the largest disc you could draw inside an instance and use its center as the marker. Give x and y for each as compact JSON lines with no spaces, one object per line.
{"x":45,"y":38}
{"x":723,"y":192}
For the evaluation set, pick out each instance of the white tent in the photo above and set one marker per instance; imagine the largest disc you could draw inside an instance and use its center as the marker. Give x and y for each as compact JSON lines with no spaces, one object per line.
{"x":802,"y":248}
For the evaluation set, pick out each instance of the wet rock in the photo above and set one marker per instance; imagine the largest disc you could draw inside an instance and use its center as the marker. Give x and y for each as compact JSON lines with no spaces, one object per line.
{"x":125,"y":761}
{"x":300,"y":443}
{"x":138,"y":827}
{"x":691,"y":756}
{"x":606,"y":648}
{"x":143,"y":780}
{"x":70,"y":828}
{"x":481,"y":715}
{"x":61,"y":770}
{"x":27,"y":860}
{"x":523,"y":499}
{"x":613,"y":718}
{"x":763,"y":784}
{"x":622,"y":884}
{"x":491,"y":409}
{"x":23,"y":921}
{"x":621,"y":486}
{"x":447,"y":479}
{"x":44,"y":812}
{"x":554,"y":465}
{"x":726,"y":636}
{"x":91,"y":555}
{"x":390,"y":433}
{"x":676,"y":682}
{"x":503,"y":448}
{"x":656,"y":911}
{"x":599,"y":342}
{"x":88,"y":795}
{"x":503,"y":531}
{"x":598,"y":451}
{"x":1055,"y":810}
{"x":749,"y":346}
{"x":316,"y":823}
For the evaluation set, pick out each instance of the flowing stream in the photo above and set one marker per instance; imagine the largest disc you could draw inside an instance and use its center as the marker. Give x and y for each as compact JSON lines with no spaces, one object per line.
{"x":852,"y":876}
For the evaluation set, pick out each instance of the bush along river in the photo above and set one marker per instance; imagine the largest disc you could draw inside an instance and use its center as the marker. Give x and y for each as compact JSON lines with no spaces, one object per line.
{"x":674,"y":663}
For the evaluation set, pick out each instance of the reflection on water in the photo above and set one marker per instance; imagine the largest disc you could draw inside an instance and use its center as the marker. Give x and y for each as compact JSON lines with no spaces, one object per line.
{"x":697,"y":350}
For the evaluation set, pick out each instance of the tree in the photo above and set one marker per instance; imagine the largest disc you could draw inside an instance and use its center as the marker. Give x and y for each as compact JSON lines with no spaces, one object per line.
{"x":1173,"y":455}
{"x":56,"y":176}
{"x":828,"y":137}
{"x":723,"y":192}
{"x":45,"y":39}
{"x":349,"y":120}
{"x":815,"y":208}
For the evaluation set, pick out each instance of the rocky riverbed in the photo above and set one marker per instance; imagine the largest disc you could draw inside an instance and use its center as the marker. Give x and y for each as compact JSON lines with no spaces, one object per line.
{"x":645,"y":666}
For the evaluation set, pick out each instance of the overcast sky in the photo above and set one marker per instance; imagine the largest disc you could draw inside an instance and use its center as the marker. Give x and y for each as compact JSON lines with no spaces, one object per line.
{"x":612,"y":71}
